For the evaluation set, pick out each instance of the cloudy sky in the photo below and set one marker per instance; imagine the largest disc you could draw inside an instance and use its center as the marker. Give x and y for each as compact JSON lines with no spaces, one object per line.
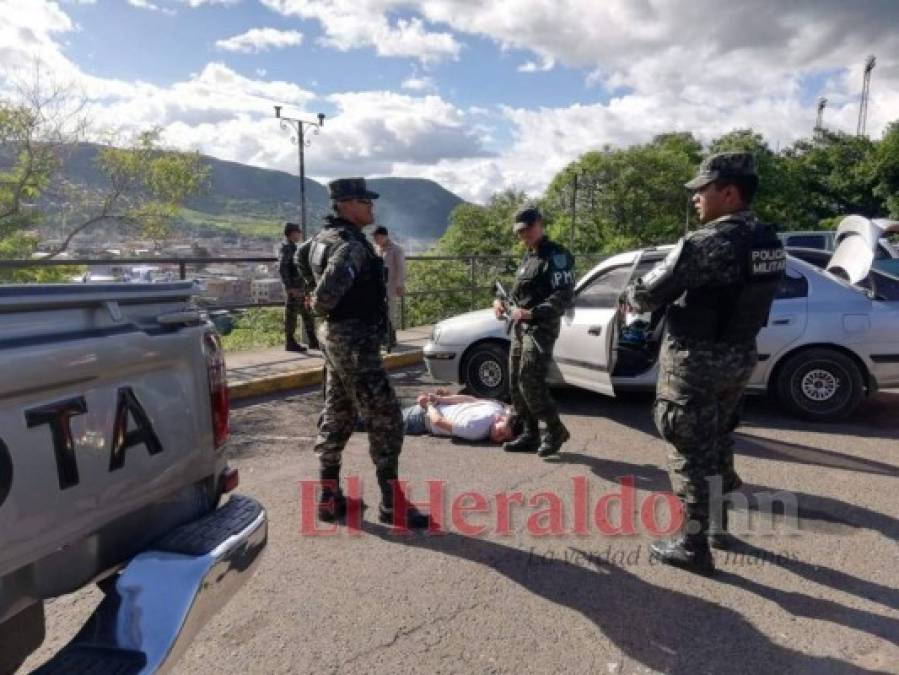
{"x":477,"y":94}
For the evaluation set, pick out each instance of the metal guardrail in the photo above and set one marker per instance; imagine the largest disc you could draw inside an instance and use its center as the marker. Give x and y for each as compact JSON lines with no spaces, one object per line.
{"x":476,"y":270}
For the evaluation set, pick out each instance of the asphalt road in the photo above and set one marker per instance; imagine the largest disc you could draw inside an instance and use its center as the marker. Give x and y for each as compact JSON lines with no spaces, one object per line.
{"x":814,"y":596}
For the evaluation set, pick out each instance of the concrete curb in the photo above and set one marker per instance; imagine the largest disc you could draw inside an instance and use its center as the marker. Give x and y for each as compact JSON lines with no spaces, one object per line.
{"x":309,"y":376}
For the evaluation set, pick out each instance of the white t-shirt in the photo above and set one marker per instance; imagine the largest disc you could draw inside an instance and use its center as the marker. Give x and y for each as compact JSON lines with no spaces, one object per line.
{"x":471,"y":421}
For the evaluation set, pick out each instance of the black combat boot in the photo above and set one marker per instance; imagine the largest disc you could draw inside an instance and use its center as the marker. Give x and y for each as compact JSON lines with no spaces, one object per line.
{"x":718,"y":523}
{"x":415,"y":519}
{"x":527,"y":441}
{"x":552,"y":440}
{"x":689,"y":550}
{"x":331,"y":503}
{"x":294,"y":346}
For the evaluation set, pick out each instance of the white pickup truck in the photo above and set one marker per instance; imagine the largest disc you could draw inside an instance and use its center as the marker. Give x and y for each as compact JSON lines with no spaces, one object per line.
{"x":113,"y":418}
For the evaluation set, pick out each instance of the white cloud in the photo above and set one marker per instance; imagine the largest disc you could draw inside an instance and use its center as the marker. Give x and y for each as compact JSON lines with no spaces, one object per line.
{"x":544,"y":66}
{"x":417,"y":83}
{"x":200,"y":3}
{"x":350,"y":24}
{"x":146,"y":4}
{"x":698,"y":66}
{"x":258,"y":40}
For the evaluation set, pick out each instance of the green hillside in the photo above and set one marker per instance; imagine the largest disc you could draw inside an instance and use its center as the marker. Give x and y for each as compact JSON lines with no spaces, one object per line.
{"x":251,"y":201}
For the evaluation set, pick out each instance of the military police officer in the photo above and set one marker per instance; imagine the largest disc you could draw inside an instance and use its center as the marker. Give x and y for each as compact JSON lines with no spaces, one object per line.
{"x":350,"y":294}
{"x":295,"y":291}
{"x":718,"y":284}
{"x":543,"y":290}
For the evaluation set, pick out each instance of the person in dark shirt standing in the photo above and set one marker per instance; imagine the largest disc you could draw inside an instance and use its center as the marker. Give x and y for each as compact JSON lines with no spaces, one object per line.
{"x":295,"y":292}
{"x":717,"y":284}
{"x":543,"y":290}
{"x":351,"y":294}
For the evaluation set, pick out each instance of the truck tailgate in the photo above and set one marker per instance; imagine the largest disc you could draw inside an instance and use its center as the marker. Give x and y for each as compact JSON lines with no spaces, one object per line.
{"x":103,"y":410}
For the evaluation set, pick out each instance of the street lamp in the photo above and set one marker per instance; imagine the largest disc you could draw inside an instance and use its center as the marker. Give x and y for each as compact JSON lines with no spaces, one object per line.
{"x":297,"y":126}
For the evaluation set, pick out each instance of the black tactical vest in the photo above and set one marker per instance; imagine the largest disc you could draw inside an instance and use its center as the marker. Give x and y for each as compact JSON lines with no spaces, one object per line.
{"x":734,"y":313}
{"x":366,"y":299}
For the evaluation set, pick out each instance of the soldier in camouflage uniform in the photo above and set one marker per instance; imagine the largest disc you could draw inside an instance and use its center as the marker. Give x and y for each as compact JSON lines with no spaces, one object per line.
{"x":718,"y":285}
{"x":350,"y":294}
{"x":543,"y":290}
{"x":295,"y":292}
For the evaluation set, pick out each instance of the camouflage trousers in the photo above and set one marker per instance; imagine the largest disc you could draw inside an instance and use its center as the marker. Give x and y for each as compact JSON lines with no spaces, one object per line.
{"x":698,"y":402}
{"x":295,"y":308}
{"x":357,"y":384}
{"x":529,"y":358}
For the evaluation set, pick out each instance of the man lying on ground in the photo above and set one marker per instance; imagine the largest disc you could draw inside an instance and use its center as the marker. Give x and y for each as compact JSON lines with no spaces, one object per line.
{"x":458,"y":415}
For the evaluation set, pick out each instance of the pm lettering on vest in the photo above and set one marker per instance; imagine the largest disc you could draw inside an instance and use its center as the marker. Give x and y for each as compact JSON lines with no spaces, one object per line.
{"x":765,"y":261}
{"x":561,"y":279}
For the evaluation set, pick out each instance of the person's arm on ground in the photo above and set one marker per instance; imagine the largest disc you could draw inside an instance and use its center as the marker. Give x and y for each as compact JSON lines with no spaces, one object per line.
{"x":453,"y":399}
{"x":438,"y":421}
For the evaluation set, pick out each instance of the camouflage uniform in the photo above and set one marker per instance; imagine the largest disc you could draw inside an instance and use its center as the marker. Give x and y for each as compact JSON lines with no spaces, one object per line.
{"x":294,"y":305}
{"x":544,"y":284}
{"x":350,"y":294}
{"x":718,"y":284}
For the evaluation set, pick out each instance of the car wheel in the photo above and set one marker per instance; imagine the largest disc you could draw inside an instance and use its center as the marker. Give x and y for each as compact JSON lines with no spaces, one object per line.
{"x":486,"y":371}
{"x":820,"y":384}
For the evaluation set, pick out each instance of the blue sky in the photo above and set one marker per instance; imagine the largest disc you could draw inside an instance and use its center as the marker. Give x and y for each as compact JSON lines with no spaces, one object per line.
{"x":175,"y":44}
{"x":479,"y":96}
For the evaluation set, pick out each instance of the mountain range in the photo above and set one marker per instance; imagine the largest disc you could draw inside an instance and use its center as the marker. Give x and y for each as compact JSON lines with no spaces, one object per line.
{"x":251,"y":201}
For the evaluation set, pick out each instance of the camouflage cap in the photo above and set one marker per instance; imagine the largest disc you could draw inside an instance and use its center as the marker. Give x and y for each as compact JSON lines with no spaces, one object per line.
{"x":724,"y":165}
{"x":350,"y":188}
{"x":525,"y":218}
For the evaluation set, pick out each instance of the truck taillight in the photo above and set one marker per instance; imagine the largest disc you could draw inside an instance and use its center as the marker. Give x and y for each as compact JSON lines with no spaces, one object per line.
{"x":218,"y":387}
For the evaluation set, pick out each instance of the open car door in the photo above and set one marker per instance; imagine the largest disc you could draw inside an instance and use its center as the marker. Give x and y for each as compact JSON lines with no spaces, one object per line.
{"x":585,"y":348}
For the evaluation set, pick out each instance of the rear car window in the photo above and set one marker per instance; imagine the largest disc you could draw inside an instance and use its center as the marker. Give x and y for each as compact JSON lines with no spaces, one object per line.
{"x":605,"y":289}
{"x":792,"y":287}
{"x":807,"y":241}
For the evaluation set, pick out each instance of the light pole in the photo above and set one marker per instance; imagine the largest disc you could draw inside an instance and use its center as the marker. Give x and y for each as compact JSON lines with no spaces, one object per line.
{"x":297,"y":126}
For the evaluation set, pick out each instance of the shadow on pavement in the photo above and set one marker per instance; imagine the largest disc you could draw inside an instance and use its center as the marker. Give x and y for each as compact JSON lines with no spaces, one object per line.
{"x":664,"y":629}
{"x":635,"y":411}
{"x":766,"y":448}
{"x":812,"y":508}
{"x":826,"y":576}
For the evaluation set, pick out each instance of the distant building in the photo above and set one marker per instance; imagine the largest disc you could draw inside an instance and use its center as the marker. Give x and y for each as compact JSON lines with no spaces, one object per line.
{"x":266,"y":290}
{"x":228,"y":290}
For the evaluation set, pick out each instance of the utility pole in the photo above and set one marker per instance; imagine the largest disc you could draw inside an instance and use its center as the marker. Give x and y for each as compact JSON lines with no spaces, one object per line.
{"x":819,"y":122}
{"x":866,"y":95}
{"x":297,"y":126}
{"x":573,"y":209}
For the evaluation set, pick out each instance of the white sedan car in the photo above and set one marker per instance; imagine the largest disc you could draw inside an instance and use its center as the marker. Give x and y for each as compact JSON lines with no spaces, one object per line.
{"x":827,"y":344}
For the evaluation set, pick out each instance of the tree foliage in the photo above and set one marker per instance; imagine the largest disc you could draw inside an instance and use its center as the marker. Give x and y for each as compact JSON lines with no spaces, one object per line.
{"x":143,"y":184}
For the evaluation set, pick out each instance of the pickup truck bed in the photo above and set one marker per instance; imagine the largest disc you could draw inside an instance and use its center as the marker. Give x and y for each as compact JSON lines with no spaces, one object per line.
{"x":113,"y":416}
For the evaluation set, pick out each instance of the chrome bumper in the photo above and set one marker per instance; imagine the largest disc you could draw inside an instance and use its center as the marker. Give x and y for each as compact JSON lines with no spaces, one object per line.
{"x":165,"y":595}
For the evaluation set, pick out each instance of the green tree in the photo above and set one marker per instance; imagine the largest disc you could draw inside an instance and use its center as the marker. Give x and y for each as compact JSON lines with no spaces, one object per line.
{"x":625,"y":197}
{"x":143,"y":185}
{"x":884,"y":165}
{"x":834,"y":176}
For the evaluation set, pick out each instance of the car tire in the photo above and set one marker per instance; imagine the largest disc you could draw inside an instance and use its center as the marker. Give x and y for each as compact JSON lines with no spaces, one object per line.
{"x":820,"y":384}
{"x":486,"y":371}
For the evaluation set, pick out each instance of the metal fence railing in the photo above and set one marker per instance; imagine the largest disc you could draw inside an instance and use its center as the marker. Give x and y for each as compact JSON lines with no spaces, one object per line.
{"x":436,"y":286}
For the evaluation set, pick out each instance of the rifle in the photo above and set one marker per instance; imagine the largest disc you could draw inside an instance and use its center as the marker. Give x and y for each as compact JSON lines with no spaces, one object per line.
{"x":507,"y":303}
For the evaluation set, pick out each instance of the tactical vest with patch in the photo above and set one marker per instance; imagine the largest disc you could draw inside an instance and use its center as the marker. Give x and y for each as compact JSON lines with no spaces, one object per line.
{"x":534,"y":281}
{"x":366,"y":299}
{"x":734,"y":313}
